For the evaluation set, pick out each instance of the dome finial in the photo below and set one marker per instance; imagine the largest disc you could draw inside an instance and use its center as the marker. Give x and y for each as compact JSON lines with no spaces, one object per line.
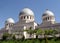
{"x":47,"y":9}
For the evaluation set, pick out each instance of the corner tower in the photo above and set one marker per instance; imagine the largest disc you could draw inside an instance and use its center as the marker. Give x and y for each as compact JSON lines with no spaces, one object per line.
{"x":48,"y":17}
{"x":9,"y":23}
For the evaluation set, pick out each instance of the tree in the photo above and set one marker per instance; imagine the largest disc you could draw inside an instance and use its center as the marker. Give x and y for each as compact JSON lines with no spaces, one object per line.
{"x":46,"y":32}
{"x":5,"y":36}
{"x":51,"y":32}
{"x":38,"y":32}
{"x":55,"y":31}
{"x":13,"y":37}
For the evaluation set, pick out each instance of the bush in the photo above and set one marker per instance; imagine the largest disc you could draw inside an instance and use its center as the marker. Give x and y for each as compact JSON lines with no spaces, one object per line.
{"x":5,"y":36}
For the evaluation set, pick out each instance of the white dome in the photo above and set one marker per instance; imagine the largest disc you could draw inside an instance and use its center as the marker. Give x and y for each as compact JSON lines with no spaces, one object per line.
{"x":49,"y":13}
{"x":10,"y":20}
{"x":27,"y":11}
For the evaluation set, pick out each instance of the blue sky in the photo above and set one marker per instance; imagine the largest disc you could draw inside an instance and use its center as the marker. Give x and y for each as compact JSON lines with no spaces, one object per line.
{"x":11,"y":8}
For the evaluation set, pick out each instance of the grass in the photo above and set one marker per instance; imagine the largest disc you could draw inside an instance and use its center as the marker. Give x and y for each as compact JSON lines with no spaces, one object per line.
{"x":30,"y":41}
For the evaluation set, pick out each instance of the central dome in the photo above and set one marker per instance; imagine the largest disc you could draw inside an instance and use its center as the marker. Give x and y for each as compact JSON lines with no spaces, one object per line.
{"x":26,"y":11}
{"x":48,"y":12}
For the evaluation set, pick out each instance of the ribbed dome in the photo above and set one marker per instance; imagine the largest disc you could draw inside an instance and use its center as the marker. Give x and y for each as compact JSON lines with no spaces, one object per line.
{"x":27,"y":11}
{"x":48,"y":12}
{"x":10,"y":20}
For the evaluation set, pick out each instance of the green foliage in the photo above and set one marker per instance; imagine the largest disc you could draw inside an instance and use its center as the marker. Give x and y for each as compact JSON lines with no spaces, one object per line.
{"x":30,"y":31}
{"x":30,"y":41}
{"x":39,"y":32}
{"x":13,"y":37}
{"x":5,"y":36}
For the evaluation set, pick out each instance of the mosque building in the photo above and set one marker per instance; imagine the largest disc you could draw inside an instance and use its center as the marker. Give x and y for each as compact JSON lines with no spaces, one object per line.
{"x":27,"y":21}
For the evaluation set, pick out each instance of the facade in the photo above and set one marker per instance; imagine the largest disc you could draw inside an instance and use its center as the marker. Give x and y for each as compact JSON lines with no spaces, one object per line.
{"x":26,"y":20}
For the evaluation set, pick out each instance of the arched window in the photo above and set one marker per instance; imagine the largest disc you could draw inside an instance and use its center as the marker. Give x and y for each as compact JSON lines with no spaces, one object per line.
{"x":6,"y":24}
{"x":27,"y":17}
{"x":30,"y":17}
{"x":21,"y":17}
{"x":48,"y":18}
{"x":24,"y":17}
